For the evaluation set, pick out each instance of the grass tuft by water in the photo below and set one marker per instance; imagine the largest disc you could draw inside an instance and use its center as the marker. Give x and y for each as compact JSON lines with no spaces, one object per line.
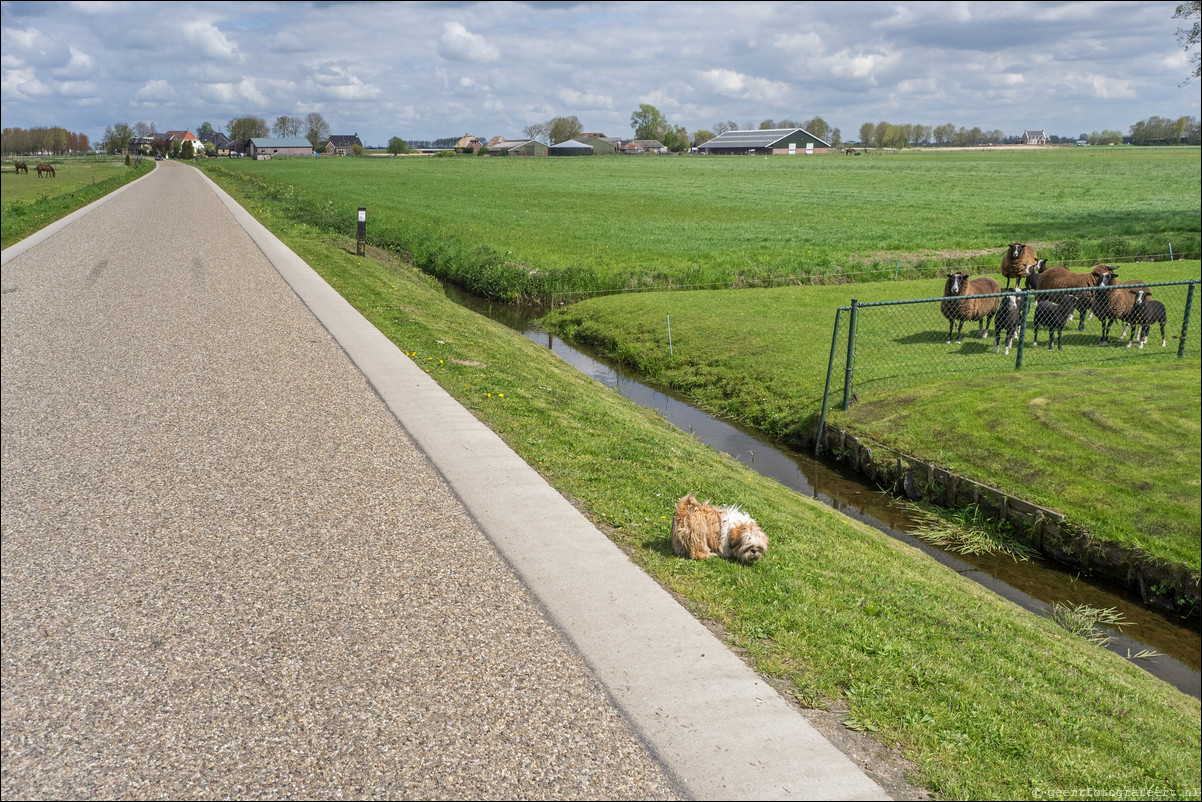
{"x":969,"y":531}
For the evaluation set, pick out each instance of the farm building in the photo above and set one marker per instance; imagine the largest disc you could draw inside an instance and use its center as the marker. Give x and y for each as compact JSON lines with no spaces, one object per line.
{"x":570,"y":148}
{"x":602,"y":145}
{"x":468,"y":144}
{"x":764,"y":142}
{"x":266,"y":148}
{"x":219,"y":141}
{"x":518,"y":147}
{"x":1034,"y":138}
{"x":341,"y":144}
{"x":637,"y":146}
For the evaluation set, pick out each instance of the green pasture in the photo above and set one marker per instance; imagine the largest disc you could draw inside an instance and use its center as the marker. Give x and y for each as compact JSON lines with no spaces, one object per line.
{"x":984,"y":699}
{"x":513,"y":228}
{"x":760,"y":357}
{"x":29,"y":203}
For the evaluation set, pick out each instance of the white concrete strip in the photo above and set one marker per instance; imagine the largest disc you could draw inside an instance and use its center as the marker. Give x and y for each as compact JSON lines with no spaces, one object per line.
{"x":715,"y":723}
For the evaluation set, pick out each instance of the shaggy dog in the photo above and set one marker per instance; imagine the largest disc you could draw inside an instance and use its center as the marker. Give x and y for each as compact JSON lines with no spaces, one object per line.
{"x":702,"y":530}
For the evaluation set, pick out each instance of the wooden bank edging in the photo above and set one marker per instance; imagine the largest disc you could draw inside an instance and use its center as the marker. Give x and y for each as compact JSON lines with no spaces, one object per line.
{"x":1039,"y":527}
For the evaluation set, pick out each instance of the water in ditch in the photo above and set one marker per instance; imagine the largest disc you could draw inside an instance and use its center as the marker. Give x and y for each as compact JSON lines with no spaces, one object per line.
{"x":1036,"y":584}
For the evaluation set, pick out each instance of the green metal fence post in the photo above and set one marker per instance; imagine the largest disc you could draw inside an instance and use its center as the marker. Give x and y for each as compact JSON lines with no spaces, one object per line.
{"x":1189,"y":305}
{"x":851,"y":345}
{"x":1022,"y":329}
{"x":830,"y":367}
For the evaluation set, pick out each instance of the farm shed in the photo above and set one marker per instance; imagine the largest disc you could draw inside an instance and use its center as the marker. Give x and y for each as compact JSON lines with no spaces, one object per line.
{"x":637,"y":146}
{"x":266,"y":148}
{"x":570,"y":148}
{"x":763,"y":142}
{"x":518,"y":147}
{"x":602,"y":146}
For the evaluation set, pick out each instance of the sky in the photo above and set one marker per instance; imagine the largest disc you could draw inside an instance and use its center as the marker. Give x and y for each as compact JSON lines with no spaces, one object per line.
{"x":428,"y":70}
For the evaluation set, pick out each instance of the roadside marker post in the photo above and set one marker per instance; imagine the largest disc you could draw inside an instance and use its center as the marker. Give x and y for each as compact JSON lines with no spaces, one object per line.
{"x":361,"y":242}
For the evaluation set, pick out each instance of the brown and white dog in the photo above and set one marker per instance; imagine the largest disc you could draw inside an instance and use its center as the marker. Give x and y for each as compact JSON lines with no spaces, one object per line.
{"x":702,"y":530}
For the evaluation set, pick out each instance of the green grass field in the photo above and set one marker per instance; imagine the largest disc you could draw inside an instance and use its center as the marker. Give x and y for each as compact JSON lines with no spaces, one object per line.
{"x":510,"y":228}
{"x":985,"y":699}
{"x":29,"y":203}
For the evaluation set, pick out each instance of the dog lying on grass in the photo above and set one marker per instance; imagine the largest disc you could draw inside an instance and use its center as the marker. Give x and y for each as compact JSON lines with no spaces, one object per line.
{"x":703,"y":530}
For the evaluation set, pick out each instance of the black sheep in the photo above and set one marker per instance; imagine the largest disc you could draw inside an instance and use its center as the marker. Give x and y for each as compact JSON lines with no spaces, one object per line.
{"x":1054,"y":317}
{"x":1143,"y":315}
{"x":1009,"y":317}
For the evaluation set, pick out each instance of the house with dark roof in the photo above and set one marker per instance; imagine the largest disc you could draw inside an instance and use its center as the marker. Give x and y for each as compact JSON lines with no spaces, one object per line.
{"x":765,"y":142}
{"x":219,"y":141}
{"x":1034,"y":138}
{"x":342,"y":144}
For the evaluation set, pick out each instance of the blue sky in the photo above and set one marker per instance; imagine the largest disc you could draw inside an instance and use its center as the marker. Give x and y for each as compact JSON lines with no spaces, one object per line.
{"x":424,"y":70}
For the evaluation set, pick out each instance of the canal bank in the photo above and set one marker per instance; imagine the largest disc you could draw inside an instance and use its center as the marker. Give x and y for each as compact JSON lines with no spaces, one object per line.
{"x":1036,"y":585}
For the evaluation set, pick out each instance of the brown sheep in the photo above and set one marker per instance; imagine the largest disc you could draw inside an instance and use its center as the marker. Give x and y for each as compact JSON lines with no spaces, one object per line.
{"x":1114,"y":303}
{"x":965,"y":307}
{"x":1017,"y":262}
{"x":1061,"y":278}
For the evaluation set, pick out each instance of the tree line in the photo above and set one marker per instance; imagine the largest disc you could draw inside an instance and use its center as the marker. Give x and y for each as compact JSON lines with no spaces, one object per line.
{"x":117,"y":137}
{"x":50,"y":140}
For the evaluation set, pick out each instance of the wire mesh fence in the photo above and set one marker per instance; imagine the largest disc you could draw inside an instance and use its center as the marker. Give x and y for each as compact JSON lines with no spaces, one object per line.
{"x":878,"y":348}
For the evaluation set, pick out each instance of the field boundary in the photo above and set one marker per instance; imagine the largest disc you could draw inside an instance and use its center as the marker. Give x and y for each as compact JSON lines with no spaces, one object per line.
{"x":1039,"y":527}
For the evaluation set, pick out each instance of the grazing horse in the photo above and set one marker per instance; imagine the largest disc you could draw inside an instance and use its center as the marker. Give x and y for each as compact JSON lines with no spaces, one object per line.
{"x":45,"y":168}
{"x":22,"y":167}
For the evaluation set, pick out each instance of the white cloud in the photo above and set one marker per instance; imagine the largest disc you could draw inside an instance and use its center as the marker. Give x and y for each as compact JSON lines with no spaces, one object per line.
{"x":210,"y":40}
{"x":23,"y":83}
{"x":584,"y":100}
{"x":737,"y":85}
{"x":459,"y":44}
{"x":157,"y":91}
{"x":77,"y":89}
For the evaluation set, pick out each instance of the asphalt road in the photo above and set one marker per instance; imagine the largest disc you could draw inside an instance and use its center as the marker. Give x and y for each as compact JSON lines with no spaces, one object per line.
{"x":250,"y":550}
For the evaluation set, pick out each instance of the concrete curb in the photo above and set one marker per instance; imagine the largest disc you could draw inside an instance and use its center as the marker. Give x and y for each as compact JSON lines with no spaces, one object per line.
{"x":715,"y":724}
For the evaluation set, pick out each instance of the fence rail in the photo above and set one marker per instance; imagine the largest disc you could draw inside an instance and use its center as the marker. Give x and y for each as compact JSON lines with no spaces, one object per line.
{"x":890,"y":345}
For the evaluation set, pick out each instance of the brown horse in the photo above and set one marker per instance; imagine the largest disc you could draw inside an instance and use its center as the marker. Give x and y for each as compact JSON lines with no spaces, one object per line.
{"x":45,"y":168}
{"x":22,"y":167}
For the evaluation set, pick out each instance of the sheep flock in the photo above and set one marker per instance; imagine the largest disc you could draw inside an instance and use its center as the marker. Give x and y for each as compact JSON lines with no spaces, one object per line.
{"x":1097,"y":293}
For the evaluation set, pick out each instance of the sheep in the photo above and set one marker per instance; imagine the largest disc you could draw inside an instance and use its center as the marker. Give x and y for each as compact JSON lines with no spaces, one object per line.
{"x":1115,"y":302}
{"x":1031,"y":282}
{"x":1145,"y":313}
{"x":964,"y":307}
{"x":1053,"y":317}
{"x":1061,"y":278}
{"x":1017,"y":262}
{"x":1009,"y":317}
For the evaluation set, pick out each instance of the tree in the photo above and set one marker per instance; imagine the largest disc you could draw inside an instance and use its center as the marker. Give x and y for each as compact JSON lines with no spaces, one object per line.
{"x":187,"y":150}
{"x":561,"y":129}
{"x":818,"y":127}
{"x":285,"y":126}
{"x":1189,"y":37}
{"x":539,"y":131}
{"x":317,"y":130}
{"x":702,"y":136}
{"x":677,"y":139}
{"x":204,"y":132}
{"x":117,"y":136}
{"x":866,"y":132}
{"x":648,"y":123}
{"x":144,"y":129}
{"x":243,"y":128}
{"x":722,"y":127}
{"x":396,"y":145}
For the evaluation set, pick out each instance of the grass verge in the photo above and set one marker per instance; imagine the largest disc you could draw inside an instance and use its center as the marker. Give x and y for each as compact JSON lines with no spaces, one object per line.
{"x":986,"y":700}
{"x":28,"y":204}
